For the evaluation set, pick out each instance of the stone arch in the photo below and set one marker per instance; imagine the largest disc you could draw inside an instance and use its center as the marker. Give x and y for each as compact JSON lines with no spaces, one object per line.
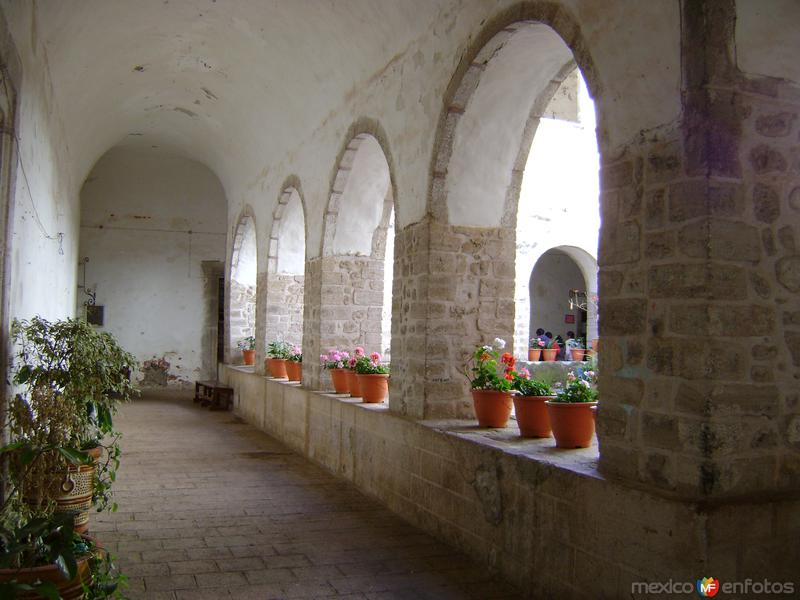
{"x":355,"y":269}
{"x":586,"y":267}
{"x":242,"y":283}
{"x":528,"y":49}
{"x":286,"y":260}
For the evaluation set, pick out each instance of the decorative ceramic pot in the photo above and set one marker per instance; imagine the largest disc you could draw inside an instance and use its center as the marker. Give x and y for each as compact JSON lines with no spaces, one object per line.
{"x":532,"y":416}
{"x":374,"y":388}
{"x":572,"y":423}
{"x":277,"y":368}
{"x":549,"y":354}
{"x":492,"y":408}
{"x":249,"y":357}
{"x":341,"y":381}
{"x":68,"y":589}
{"x":534,"y":354}
{"x":352,"y":383}
{"x":294,"y":370}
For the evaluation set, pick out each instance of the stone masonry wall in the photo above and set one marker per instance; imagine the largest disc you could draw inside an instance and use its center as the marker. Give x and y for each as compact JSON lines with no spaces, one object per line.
{"x":548,"y":522}
{"x":242,"y":315}
{"x":465,"y":300}
{"x":349,"y":309}
{"x":284,"y":308}
{"x":699,"y":281}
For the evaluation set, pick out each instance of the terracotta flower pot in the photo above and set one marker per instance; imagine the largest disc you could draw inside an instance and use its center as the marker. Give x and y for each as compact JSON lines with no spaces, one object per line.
{"x":294,"y":370}
{"x":549,"y":354}
{"x":572,"y":422}
{"x":352,"y":383}
{"x":68,"y":589}
{"x":532,"y":416}
{"x":492,"y":408}
{"x":534,"y":354}
{"x":249,"y":357}
{"x":577,"y":353}
{"x":277,"y":367}
{"x":341,"y":381}
{"x":374,"y":388}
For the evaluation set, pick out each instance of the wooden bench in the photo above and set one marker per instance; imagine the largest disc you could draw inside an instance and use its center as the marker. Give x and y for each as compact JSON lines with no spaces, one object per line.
{"x":213,"y":394}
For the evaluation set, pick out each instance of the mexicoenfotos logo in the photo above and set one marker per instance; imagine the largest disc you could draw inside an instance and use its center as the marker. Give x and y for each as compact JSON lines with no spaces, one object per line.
{"x":707,"y":587}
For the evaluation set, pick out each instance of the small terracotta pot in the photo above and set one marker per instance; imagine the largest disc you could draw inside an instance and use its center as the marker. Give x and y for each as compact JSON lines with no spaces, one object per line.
{"x":549,"y":354}
{"x":534,"y":354}
{"x":352,"y":383}
{"x":492,"y":408}
{"x":294,"y":370}
{"x":341,"y":382}
{"x":532,"y":416}
{"x":249,"y":357}
{"x":572,"y":422}
{"x":277,"y":368}
{"x":577,"y":353}
{"x":374,"y":388}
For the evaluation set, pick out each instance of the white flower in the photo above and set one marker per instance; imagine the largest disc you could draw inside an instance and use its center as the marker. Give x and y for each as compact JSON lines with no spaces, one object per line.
{"x":499,"y":344}
{"x":487,"y":348}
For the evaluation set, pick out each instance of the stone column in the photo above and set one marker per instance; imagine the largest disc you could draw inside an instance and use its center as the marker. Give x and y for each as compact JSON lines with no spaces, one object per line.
{"x":700,"y":318}
{"x":454,"y":290}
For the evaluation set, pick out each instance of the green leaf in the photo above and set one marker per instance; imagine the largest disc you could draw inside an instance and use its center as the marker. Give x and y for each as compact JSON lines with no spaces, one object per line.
{"x":76,"y":457}
{"x":47,"y":589}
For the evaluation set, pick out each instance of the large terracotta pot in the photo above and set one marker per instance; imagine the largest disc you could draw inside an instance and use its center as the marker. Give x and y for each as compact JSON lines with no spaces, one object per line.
{"x":352,"y":383}
{"x":249,"y":357}
{"x":534,"y":354}
{"x":294,"y":370}
{"x":549,"y":354}
{"x":374,"y":388}
{"x":76,"y":485}
{"x":492,"y":408}
{"x":68,"y":589}
{"x":532,"y":416}
{"x":277,"y":367}
{"x":577,"y":353}
{"x":572,"y":423}
{"x":341,"y":381}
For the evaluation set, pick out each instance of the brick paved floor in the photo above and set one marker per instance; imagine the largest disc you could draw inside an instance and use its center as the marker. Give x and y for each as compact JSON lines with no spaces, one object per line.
{"x":210,"y":507}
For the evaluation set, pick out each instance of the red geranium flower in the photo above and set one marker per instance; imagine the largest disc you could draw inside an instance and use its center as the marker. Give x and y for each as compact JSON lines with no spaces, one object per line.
{"x":508,"y":359}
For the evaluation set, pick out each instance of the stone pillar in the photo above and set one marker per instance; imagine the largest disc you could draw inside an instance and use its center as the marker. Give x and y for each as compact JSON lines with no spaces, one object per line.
{"x":348,"y":313}
{"x":454,"y":290}
{"x":700,"y":317}
{"x":260,"y":325}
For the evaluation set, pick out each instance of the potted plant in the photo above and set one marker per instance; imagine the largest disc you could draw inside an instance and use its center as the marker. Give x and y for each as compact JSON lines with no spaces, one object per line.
{"x":337,"y":363}
{"x":535,"y":346}
{"x":294,"y":364}
{"x":373,"y":378}
{"x":278,"y":353}
{"x":529,"y":404}
{"x":352,"y":377}
{"x":550,"y":349}
{"x":248,"y":347}
{"x":491,"y":391}
{"x":578,"y":349}
{"x":571,"y":412}
{"x":46,"y":558}
{"x":72,"y":379}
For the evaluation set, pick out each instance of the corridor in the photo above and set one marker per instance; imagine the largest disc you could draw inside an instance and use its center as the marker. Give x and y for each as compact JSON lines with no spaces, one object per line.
{"x":210,"y":507}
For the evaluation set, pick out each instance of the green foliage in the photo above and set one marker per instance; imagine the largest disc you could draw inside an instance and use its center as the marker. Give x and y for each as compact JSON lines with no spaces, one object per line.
{"x":530,"y":387}
{"x":279,"y":349}
{"x":484,"y":367}
{"x":576,"y":391}
{"x":369,"y":366}
{"x":247,"y":343}
{"x":296,"y":354}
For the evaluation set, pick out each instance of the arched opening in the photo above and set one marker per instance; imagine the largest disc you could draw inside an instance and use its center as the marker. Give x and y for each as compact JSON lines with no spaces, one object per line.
{"x":358,"y":240}
{"x":286,"y":269}
{"x":242,"y":292}
{"x":496,"y":102}
{"x":152,"y":247}
{"x":559,"y":205}
{"x":562,"y":293}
